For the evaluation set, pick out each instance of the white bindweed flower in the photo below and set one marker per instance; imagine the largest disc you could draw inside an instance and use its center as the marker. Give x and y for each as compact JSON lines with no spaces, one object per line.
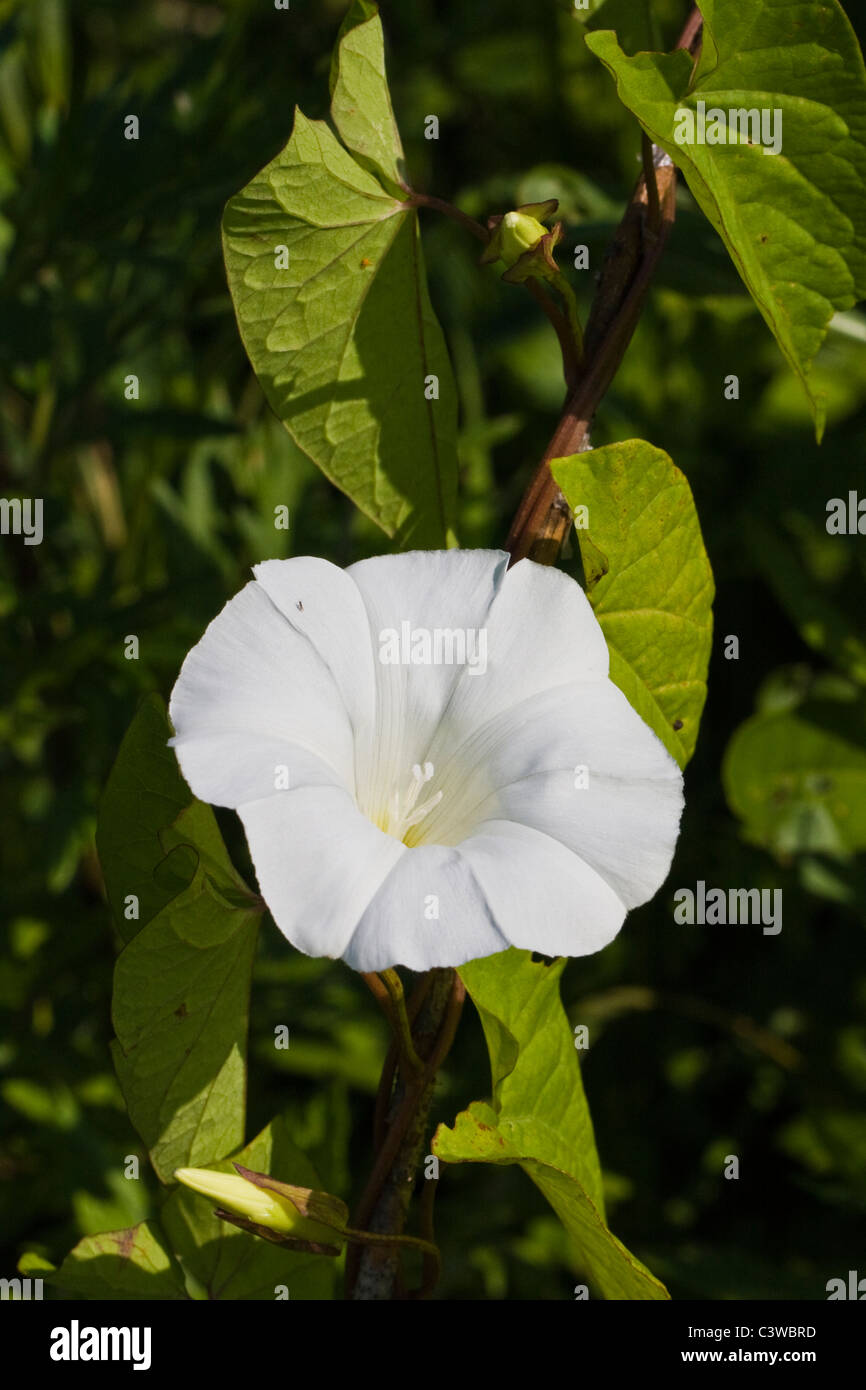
{"x":428,"y":758}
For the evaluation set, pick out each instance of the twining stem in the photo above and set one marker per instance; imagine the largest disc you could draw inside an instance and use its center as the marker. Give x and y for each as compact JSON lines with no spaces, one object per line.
{"x":543,"y":518}
{"x":388,"y":990}
{"x":430,"y":1275}
{"x":690,"y":37}
{"x":409,"y":1059}
{"x":383,"y":1097}
{"x":372,"y":1273}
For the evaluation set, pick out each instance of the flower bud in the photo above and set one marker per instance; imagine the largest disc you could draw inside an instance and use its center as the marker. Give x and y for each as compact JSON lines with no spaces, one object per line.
{"x":518,"y":233}
{"x":260,"y":1205}
{"x":523,"y":243}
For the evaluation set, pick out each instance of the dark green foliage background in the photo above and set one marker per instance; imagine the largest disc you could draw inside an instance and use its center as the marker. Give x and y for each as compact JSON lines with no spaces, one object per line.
{"x":705,"y":1041}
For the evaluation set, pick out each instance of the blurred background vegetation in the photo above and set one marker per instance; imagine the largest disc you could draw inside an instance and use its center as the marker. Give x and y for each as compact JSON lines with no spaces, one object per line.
{"x":705,"y":1041}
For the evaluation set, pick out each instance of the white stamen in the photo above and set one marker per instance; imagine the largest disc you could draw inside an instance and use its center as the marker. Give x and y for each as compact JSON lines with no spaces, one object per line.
{"x":404,"y":813}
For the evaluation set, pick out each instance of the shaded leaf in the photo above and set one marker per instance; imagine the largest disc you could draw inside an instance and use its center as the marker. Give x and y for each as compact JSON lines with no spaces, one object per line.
{"x":797,"y":778}
{"x":152,"y":833}
{"x":121,"y":1265}
{"x":180,"y":1010}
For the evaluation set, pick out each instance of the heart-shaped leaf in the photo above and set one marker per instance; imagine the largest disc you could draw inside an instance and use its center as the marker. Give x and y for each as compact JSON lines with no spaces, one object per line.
{"x":325,"y":270}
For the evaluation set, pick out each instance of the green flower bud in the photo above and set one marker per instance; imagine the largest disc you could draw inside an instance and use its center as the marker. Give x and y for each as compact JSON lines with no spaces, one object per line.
{"x":260,"y":1205}
{"x":521,"y":240}
{"x":518,"y":233}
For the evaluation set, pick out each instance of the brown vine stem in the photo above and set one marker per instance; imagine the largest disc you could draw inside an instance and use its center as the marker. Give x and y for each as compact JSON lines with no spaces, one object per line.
{"x":372,"y":1273}
{"x":543,"y":518}
{"x":690,"y":38}
{"x":431,"y":1266}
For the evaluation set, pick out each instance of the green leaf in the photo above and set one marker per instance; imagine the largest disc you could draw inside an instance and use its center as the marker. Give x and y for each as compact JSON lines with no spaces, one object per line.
{"x":231,"y":1264}
{"x":533,"y":1060}
{"x":539,"y":1117}
{"x":797,"y":778}
{"x":358,"y":12}
{"x":648,"y":579}
{"x":795,"y":222}
{"x":180,"y":1010}
{"x":361,"y":103}
{"x":152,"y":833}
{"x":343,"y":338}
{"x":121,"y":1265}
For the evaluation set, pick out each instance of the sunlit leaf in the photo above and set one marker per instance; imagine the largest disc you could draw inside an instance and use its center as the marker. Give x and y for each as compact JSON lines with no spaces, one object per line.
{"x":361,"y":103}
{"x":648,"y":579}
{"x":539,"y":1116}
{"x":325,"y":270}
{"x":794,"y":222}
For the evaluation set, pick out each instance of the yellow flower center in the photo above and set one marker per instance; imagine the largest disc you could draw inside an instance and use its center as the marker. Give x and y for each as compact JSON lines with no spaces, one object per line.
{"x":402,"y":812}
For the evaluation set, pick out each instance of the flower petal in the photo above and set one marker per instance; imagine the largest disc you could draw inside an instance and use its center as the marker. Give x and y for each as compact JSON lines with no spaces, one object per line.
{"x":396,"y":928}
{"x":319,"y":863}
{"x":541,"y":632}
{"x":322,"y":604}
{"x":247,"y":766}
{"x":446,"y":590}
{"x":253,"y":694}
{"x":524,"y":766}
{"x":541,"y":895}
{"x":626,"y":833}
